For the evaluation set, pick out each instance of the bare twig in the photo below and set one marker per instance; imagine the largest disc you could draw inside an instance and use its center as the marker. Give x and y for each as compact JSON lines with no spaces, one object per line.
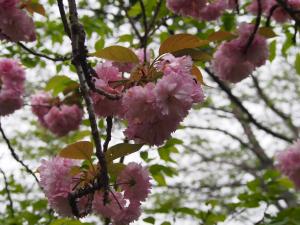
{"x":15,"y":156}
{"x":11,"y":204}
{"x":109,"y":124}
{"x":238,"y":103}
{"x":57,"y":59}
{"x":63,"y":17}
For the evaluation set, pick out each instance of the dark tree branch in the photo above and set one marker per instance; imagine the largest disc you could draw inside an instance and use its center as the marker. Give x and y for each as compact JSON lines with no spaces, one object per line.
{"x":256,"y":27}
{"x":156,"y":12}
{"x":6,"y":186}
{"x":79,"y":60}
{"x":15,"y":156}
{"x":109,"y":124}
{"x":294,"y":14}
{"x":57,"y":59}
{"x":271,"y":12}
{"x":270,"y":104}
{"x":238,"y":103}
{"x":63,"y":17}
{"x":256,"y":149}
{"x":131,"y":21}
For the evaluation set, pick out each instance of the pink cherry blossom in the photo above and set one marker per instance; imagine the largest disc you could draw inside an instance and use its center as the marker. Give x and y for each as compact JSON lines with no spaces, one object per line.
{"x":170,"y":64}
{"x":139,"y":104}
{"x":60,"y":120}
{"x":108,"y":76}
{"x":134,"y":180}
{"x":40,"y":105}
{"x":129,"y":214}
{"x":186,"y":8}
{"x":57,"y":183}
{"x":12,"y":77}
{"x":289,"y":163}
{"x":213,"y":10}
{"x":8,"y":4}
{"x":233,"y":62}
{"x":16,"y":25}
{"x":116,"y":203}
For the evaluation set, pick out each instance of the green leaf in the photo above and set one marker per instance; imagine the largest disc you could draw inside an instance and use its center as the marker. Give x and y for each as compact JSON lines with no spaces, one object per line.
{"x":99,"y":44}
{"x":59,"y":83}
{"x":272,"y":50}
{"x":165,"y":223}
{"x":114,"y":169}
{"x":297,"y":64}
{"x":120,"y":150}
{"x":150,"y":220}
{"x":68,"y":222}
{"x":181,"y":41}
{"x":117,"y":53}
{"x":78,"y":150}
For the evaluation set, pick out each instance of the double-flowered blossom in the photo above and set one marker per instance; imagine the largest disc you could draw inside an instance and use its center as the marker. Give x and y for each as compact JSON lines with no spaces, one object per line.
{"x":15,"y":24}
{"x":59,"y":118}
{"x":57,"y":183}
{"x":134,"y":180}
{"x":200,"y":9}
{"x":107,"y":79}
{"x":289,"y":163}
{"x":154,"y":111}
{"x":114,"y":206}
{"x":12,"y":77}
{"x":279,"y":14}
{"x":236,"y":59}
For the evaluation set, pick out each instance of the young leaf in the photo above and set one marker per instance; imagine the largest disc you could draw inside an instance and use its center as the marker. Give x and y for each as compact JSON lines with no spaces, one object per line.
{"x":118,"y":54}
{"x":221,"y":36}
{"x":181,"y":41}
{"x":120,"y":150}
{"x":197,"y":73}
{"x":78,"y":150}
{"x":267,"y":32}
{"x":35,"y":7}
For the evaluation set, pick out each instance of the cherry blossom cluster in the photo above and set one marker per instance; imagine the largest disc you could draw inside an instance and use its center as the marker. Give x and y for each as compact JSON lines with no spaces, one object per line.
{"x":235,"y":60}
{"x":201,"y":9}
{"x":121,"y":207}
{"x":54,"y":115}
{"x":15,"y":24}
{"x":12,"y":78}
{"x":279,"y":14}
{"x":153,"y":110}
{"x":289,"y":163}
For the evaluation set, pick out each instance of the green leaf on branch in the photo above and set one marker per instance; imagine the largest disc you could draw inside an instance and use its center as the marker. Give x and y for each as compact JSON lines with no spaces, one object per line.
{"x":181,"y":41}
{"x":117,"y":53}
{"x":34,"y":7}
{"x":68,"y":222}
{"x":221,"y":36}
{"x":297,"y":64}
{"x":150,"y":220}
{"x":78,"y":150}
{"x":272,"y":50}
{"x":60,"y":83}
{"x":267,"y":32}
{"x":114,"y":169}
{"x":121,"y":150}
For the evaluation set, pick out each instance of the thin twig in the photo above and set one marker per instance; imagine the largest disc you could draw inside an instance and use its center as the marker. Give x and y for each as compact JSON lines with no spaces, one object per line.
{"x":15,"y":156}
{"x":57,"y":59}
{"x":257,"y":23}
{"x":237,"y":102}
{"x":63,"y":17}
{"x":11,"y":204}
{"x":109,"y":124}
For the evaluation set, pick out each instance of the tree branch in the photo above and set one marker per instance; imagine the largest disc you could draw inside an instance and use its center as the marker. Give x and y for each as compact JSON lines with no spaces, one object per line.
{"x":238,"y":103}
{"x":11,"y":204}
{"x":15,"y":156}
